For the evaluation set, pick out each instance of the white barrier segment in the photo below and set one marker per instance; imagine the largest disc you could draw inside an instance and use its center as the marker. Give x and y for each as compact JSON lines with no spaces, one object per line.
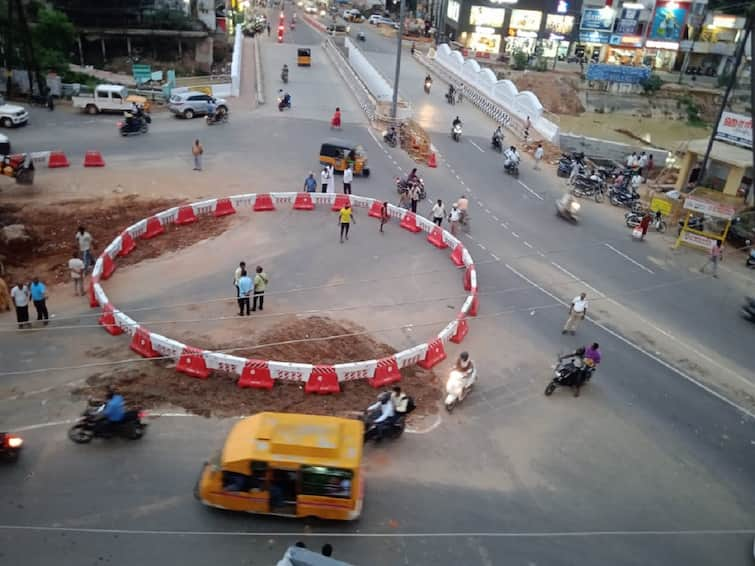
{"x":40,"y":157}
{"x":396,"y":211}
{"x":241,"y":201}
{"x":466,"y":258}
{"x":323,"y":198}
{"x":204,"y":206}
{"x":411,"y":356}
{"x":448,"y":331}
{"x":113,"y":248}
{"x":97,"y":269}
{"x":166,"y":346}
{"x":138,"y":228}
{"x":167,"y":216}
{"x":467,"y":304}
{"x":364,"y":202}
{"x":99,"y":294}
{"x":473,"y":278}
{"x":424,"y":223}
{"x":128,"y":324}
{"x":450,"y":239}
{"x":284,"y":198}
{"x":287,"y":371}
{"x":225,"y":362}
{"x":356,"y":370}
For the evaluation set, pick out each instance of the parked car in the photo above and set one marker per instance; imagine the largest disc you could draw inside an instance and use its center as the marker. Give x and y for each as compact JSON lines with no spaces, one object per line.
{"x":12,"y":115}
{"x":191,"y":103}
{"x":108,"y":98}
{"x":378,"y":20}
{"x":353,"y":15}
{"x":338,"y":29}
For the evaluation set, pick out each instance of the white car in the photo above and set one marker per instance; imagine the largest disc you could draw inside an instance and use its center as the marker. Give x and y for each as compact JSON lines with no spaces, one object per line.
{"x":12,"y":115}
{"x":382,"y":20}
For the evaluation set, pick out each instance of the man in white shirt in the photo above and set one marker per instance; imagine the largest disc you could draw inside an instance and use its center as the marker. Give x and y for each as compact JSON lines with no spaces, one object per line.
{"x":348,"y":176}
{"x":84,"y":239}
{"x":539,"y":152}
{"x":324,"y":179}
{"x":439,"y":211}
{"x":577,"y":311}
{"x":76,"y":266}
{"x":237,"y":275}
{"x":20,"y":295}
{"x":454,"y":217}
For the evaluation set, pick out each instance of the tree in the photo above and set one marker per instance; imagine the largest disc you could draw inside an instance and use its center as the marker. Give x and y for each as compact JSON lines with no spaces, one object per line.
{"x":53,"y":38}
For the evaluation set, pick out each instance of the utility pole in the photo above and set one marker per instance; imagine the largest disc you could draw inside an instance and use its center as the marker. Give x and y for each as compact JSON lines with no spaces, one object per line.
{"x":729,"y":87}
{"x":394,"y":106}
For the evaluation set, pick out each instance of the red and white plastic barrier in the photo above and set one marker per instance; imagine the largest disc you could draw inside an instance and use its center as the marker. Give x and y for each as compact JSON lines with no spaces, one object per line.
{"x":263,"y":373}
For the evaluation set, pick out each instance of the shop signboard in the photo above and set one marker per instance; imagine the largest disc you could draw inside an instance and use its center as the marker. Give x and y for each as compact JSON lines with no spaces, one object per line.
{"x":598,"y":19}
{"x":454,"y":8}
{"x":709,"y":207}
{"x":559,"y":25}
{"x":484,"y":16}
{"x":735,"y":128}
{"x":668,"y":22}
{"x":617,"y":73}
{"x":528,"y":20}
{"x":625,"y":41}
{"x":594,"y":36}
{"x":627,"y":26}
{"x":697,"y":240}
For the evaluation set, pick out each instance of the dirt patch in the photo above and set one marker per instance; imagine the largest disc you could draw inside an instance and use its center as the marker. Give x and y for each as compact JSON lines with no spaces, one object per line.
{"x":557,"y":93}
{"x":52,"y":228}
{"x":159,"y":385}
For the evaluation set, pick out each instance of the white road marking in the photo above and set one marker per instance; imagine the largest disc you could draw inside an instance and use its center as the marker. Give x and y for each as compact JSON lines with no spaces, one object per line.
{"x":369,"y":131}
{"x":469,"y":236}
{"x":515,"y":234}
{"x":469,"y":190}
{"x":582,"y":281}
{"x":533,"y":193}
{"x":564,"y":270}
{"x":629,"y":259}
{"x":495,"y":257}
{"x":526,"y":243}
{"x":479,"y":203}
{"x":477,"y":146}
{"x":495,"y":218}
{"x":504,"y":225}
{"x":487,"y":211}
{"x":481,"y":246}
{"x":452,"y":170}
{"x":638,"y":348}
{"x":435,"y":424}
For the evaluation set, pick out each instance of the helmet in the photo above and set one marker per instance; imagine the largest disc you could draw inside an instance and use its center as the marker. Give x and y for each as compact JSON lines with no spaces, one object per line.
{"x":384,"y":397}
{"x":464,"y":356}
{"x":580,"y":351}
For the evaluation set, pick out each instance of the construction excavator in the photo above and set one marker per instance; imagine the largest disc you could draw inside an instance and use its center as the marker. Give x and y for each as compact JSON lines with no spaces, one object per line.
{"x":19,"y":166}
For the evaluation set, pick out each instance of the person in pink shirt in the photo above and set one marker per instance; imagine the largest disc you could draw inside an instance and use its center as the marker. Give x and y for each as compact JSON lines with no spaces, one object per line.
{"x":715,"y":256}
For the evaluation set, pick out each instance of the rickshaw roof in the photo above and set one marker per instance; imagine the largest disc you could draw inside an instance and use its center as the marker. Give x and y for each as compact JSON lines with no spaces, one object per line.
{"x":296,"y":438}
{"x":303,"y":51}
{"x":339,"y":142}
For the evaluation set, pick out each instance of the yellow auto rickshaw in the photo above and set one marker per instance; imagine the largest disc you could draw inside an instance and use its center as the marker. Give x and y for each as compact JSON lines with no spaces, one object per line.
{"x":288,"y":464}
{"x":304,"y":57}
{"x":339,"y":152}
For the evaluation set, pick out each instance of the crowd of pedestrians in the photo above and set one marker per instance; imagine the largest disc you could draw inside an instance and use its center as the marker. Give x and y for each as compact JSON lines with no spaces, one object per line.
{"x":250,"y":289}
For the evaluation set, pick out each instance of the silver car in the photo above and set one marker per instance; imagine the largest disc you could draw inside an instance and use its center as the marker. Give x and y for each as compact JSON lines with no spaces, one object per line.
{"x":192,"y":103}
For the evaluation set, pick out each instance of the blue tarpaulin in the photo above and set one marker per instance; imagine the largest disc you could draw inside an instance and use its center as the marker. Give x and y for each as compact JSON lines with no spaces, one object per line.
{"x":617,"y":73}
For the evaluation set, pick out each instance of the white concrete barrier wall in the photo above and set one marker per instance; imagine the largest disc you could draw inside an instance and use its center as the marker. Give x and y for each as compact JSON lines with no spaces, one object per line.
{"x":235,"y":86}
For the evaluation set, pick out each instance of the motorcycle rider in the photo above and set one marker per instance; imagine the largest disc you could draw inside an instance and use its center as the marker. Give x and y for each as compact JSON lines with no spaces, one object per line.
{"x":511,"y":158}
{"x":412,"y":178}
{"x":465,"y":365}
{"x":463,"y":205}
{"x":581,"y":369}
{"x":113,"y":412}
{"x":498,"y":137}
{"x":284,"y":99}
{"x":456,"y":122}
{"x":284,"y":73}
{"x":451,"y":94}
{"x":428,"y":82}
{"x":211,"y":106}
{"x":387,"y":413}
{"x":400,"y":401}
{"x":390,"y":136}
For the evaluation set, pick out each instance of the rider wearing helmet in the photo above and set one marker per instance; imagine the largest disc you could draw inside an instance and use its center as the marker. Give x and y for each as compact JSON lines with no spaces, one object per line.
{"x":384,"y":403}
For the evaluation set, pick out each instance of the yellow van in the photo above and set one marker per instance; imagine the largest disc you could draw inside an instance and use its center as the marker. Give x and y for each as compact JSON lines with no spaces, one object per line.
{"x":288,"y":464}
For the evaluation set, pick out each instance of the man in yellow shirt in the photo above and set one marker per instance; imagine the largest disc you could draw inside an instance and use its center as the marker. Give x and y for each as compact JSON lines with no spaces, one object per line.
{"x":260,"y":284}
{"x":345,"y":218}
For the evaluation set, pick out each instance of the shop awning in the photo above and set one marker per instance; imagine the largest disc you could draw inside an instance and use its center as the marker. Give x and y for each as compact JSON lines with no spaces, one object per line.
{"x":723,"y":152}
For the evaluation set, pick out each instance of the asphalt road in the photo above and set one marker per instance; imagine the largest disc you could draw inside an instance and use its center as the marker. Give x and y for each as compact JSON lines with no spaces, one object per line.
{"x":645,"y":467}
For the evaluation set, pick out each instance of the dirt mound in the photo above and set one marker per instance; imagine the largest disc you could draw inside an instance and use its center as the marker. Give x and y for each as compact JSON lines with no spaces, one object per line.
{"x":51,"y":232}
{"x":557,"y":93}
{"x":159,"y":385}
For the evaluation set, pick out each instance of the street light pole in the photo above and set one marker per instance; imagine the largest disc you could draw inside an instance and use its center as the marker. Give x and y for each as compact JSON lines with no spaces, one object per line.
{"x":394,"y":106}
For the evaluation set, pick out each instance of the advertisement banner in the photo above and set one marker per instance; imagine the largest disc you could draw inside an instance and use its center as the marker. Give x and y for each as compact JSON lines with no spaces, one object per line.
{"x":483,"y":16}
{"x":526,"y":20}
{"x":454,"y":8}
{"x":598,"y":19}
{"x":697,"y":240}
{"x":594,"y":37}
{"x":735,"y":128}
{"x":617,"y":73}
{"x":709,"y":207}
{"x":668,"y":22}
{"x":560,"y":25}
{"x":627,"y":26}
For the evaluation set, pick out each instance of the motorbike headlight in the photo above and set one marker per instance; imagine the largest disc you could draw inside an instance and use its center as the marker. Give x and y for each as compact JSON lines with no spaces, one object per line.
{"x":15,"y":442}
{"x":575,"y":206}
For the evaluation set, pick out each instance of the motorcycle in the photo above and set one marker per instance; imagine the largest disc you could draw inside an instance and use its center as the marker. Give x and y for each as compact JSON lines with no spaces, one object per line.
{"x":568,"y":373}
{"x":361,"y":36}
{"x":750,"y":261}
{"x":748,"y":309}
{"x":511,"y":166}
{"x":568,"y":208}
{"x":457,"y":388}
{"x":134,"y":126}
{"x":451,"y":98}
{"x":91,"y":425}
{"x":456,"y":132}
{"x":390,"y":138}
{"x":428,"y":84}
{"x":376,"y":432}
{"x":497,"y":143}
{"x":10,"y":446}
{"x":627,"y":198}
{"x":284,"y":103}
{"x":217,"y":117}
{"x":633,"y":219}
{"x":588,"y":187}
{"x":402,"y":186}
{"x":284,"y":76}
{"x":694,"y":222}
{"x":566,"y":162}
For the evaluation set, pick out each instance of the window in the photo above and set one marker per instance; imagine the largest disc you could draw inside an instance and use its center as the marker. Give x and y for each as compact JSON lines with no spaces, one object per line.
{"x":116,"y":95}
{"x":233,"y":481}
{"x":327,"y":482}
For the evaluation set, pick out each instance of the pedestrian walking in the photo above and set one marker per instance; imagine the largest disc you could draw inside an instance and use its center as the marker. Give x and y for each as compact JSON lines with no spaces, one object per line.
{"x":384,"y":215}
{"x":38,"y":292}
{"x":348,"y":176}
{"x":632,"y":160}
{"x":310,"y":183}
{"x":324,"y":180}
{"x":197,"y":150}
{"x":527,"y":126}
{"x":649,"y":168}
{"x":414,"y":196}
{"x":715,"y":256}
{"x":404,"y":201}
{"x":20,"y":296}
{"x":84,"y":240}
{"x":642,"y":163}
{"x":645,"y":224}
{"x":260,"y":284}
{"x":577,"y":312}
{"x":439,"y":212}
{"x":245,"y":288}
{"x":268,"y":29}
{"x":76,"y":267}
{"x":345,"y":219}
{"x":237,"y":275}
{"x":539,"y":152}
{"x":454,"y":217}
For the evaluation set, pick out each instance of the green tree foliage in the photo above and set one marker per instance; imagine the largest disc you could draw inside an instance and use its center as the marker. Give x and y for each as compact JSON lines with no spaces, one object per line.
{"x":519,"y":60}
{"x":651,"y":84}
{"x":53,"y":37}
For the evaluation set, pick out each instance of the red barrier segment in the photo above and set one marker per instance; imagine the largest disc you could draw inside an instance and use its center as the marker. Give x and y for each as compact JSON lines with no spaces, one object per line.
{"x":435,"y":237}
{"x":376,"y":209}
{"x":462,"y":329}
{"x":256,"y":373}
{"x":468,"y":278}
{"x":304,"y":202}
{"x":409,"y":222}
{"x":141,"y":343}
{"x":432,"y":161}
{"x":322,"y":379}
{"x":57,"y":159}
{"x":93,"y":159}
{"x":93,"y":302}
{"x":127,"y":244}
{"x":192,"y":363}
{"x":386,"y":372}
{"x":224,"y":207}
{"x":154,"y":228}
{"x":263,"y":203}
{"x":108,"y":266}
{"x":186,"y":215}
{"x":435,"y":354}
{"x":107,"y":320}
{"x":457,"y":256}
{"x":340,"y":201}
{"x":474,"y":306}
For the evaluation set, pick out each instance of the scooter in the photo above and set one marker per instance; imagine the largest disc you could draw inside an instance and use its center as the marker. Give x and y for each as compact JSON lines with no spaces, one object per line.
{"x":390,"y":138}
{"x":403,"y":187}
{"x":568,"y":208}
{"x":633,"y":220}
{"x":10,"y":446}
{"x":377,"y":432}
{"x":568,"y":373}
{"x":218,"y":117}
{"x":428,"y":84}
{"x":511,"y":166}
{"x":497,"y":143}
{"x":90,"y":425}
{"x":457,"y":388}
{"x":284,"y":103}
{"x":135,"y":127}
{"x":361,"y":36}
{"x":456,"y":132}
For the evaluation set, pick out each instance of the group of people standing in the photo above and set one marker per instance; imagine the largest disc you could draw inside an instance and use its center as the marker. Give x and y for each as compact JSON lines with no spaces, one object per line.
{"x":249,"y":290}
{"x":328,"y":181}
